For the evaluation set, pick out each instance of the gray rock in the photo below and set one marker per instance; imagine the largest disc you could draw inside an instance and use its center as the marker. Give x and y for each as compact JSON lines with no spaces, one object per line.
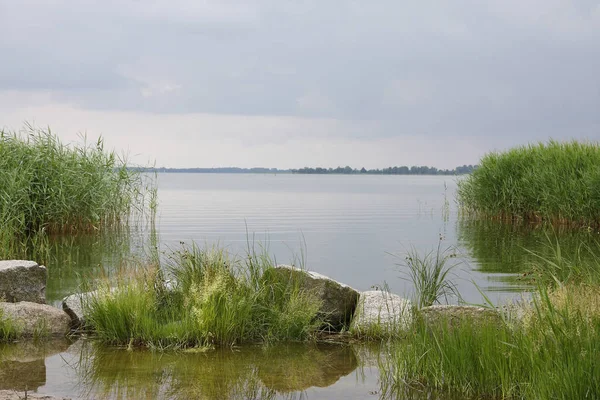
{"x":380,"y":310}
{"x":22,"y":281}
{"x":74,"y":306}
{"x":454,"y":315}
{"x":35,"y":319}
{"x":339,"y":300}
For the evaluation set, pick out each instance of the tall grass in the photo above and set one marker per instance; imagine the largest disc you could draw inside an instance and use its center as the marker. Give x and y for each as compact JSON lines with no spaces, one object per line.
{"x":429,"y":275}
{"x":551,"y":352}
{"x":215,"y":299}
{"x":553,"y":182}
{"x":47,"y":187}
{"x":554,"y":354}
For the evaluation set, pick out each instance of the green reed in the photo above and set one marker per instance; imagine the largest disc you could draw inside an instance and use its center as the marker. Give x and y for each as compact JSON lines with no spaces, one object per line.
{"x":550,"y":351}
{"x":9,"y":331}
{"x":47,"y":187}
{"x":429,"y":274}
{"x":553,"y":182}
{"x":214,"y":299}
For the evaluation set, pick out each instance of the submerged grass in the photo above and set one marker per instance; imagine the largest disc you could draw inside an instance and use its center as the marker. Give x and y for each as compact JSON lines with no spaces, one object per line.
{"x":553,"y":182}
{"x":47,"y":187}
{"x":214,"y":299}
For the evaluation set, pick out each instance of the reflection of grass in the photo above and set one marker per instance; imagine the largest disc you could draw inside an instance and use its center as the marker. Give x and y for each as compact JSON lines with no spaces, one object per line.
{"x":501,"y":248}
{"x":246,"y":372}
{"x":217,"y":300}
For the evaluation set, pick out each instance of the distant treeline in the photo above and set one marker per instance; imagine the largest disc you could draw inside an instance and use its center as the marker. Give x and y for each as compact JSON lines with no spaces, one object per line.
{"x":404,"y":170}
{"x":225,"y":170}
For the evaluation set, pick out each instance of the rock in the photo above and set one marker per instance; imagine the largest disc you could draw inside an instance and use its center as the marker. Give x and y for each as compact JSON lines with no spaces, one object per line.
{"x":35,"y":319}
{"x":73,"y":305}
{"x":339,"y":300}
{"x":22,"y":281}
{"x":456,"y":314}
{"x":380,"y":310}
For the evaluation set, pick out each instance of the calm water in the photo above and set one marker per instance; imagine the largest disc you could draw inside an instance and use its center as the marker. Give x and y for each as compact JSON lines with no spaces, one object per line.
{"x":352,"y":228}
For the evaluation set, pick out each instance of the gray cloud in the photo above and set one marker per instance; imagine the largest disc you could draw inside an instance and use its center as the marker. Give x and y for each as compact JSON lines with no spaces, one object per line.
{"x":511,"y":68}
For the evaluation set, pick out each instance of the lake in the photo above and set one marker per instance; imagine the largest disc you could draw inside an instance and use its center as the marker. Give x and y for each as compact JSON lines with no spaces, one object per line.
{"x":355,"y":229}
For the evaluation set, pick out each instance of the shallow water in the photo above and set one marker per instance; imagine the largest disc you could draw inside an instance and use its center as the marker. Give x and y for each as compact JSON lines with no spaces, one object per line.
{"x":355,"y":229}
{"x":352,"y":228}
{"x":285,"y":371}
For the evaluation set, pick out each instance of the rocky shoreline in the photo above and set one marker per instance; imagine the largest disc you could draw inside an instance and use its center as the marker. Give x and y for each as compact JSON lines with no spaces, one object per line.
{"x":343,"y":307}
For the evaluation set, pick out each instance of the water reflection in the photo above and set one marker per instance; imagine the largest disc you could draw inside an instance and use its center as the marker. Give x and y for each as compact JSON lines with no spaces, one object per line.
{"x":509,"y":249}
{"x":72,"y":260}
{"x":247,"y":372}
{"x":22,"y":365}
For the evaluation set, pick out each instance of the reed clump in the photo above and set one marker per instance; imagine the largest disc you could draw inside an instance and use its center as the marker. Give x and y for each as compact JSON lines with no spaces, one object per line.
{"x":214,"y":299}
{"x":47,"y":187}
{"x":551,"y":182}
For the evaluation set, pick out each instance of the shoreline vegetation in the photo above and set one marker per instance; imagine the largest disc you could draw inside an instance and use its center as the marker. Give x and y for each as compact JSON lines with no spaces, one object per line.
{"x":554,"y":182}
{"x":347,"y":170}
{"x":49,"y":188}
{"x":202,"y":298}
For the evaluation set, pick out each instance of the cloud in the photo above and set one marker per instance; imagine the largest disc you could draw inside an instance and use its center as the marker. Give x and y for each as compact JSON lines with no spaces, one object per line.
{"x":500,"y":71}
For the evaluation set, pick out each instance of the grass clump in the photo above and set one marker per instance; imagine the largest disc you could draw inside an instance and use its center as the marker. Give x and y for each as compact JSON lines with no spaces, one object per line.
{"x":550,"y":351}
{"x":47,"y":187}
{"x":554,"y":353}
{"x":553,"y":182}
{"x":9,"y":330}
{"x":429,"y":275}
{"x":214,"y":299}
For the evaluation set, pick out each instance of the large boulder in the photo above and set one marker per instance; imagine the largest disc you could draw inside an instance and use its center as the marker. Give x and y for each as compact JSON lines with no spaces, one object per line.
{"x":454,"y":315}
{"x":22,"y":281}
{"x":338,"y":300}
{"x":381,"y":312}
{"x":35,"y":319}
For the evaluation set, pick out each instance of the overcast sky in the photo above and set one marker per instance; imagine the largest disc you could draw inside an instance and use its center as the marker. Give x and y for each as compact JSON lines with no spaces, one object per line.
{"x":288,"y":84}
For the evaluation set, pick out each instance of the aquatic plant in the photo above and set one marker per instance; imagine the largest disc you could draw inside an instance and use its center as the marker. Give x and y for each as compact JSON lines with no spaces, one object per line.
{"x":551,"y":350}
{"x":429,"y":275}
{"x":214,"y":299}
{"x":47,"y":187}
{"x":553,"y":353}
{"x":8,"y":328}
{"x":551,"y":182}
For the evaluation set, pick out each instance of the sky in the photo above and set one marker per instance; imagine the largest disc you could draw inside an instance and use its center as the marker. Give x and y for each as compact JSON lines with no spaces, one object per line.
{"x":288,"y":84}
